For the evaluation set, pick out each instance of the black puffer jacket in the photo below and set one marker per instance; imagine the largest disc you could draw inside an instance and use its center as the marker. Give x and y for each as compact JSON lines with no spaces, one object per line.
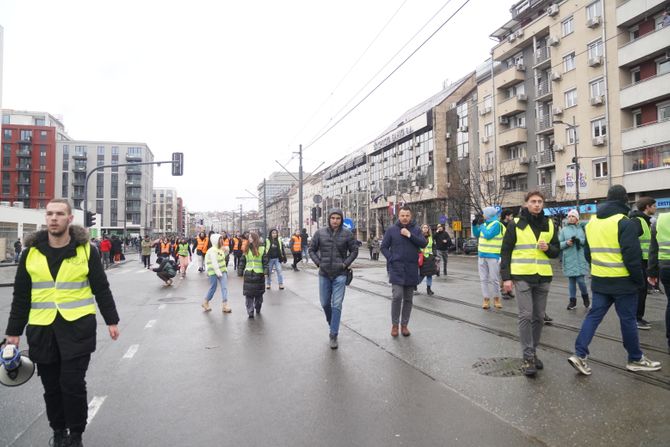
{"x":254,"y":283}
{"x":333,"y":251}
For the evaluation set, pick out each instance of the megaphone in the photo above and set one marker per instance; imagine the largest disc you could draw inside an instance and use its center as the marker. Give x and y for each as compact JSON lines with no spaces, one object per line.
{"x":15,"y":366}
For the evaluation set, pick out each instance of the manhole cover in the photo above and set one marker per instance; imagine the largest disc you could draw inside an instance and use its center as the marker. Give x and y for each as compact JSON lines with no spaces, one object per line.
{"x":499,"y":367}
{"x":173,"y":299}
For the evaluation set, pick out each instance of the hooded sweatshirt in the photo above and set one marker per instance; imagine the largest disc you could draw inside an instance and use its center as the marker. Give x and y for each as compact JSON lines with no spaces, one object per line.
{"x":333,"y":250}
{"x":212,"y":253}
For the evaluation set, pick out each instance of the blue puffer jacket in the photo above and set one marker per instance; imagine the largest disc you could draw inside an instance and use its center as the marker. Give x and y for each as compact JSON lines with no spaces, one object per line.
{"x":574,"y":262}
{"x":402,"y":254}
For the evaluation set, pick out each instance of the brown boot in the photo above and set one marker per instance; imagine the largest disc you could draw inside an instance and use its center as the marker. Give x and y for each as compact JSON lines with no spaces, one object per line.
{"x":487,"y":303}
{"x":394,"y":330}
{"x":404,"y":331}
{"x":496,"y":303}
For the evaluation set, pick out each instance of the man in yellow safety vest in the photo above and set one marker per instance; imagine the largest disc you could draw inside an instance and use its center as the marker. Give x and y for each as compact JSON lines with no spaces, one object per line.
{"x":56,"y":280}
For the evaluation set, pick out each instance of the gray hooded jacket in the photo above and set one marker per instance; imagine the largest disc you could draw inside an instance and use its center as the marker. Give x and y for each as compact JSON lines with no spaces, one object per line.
{"x":333,"y":251}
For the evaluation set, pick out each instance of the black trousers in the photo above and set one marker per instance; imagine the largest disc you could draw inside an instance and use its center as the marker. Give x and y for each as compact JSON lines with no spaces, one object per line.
{"x":146,"y":260}
{"x":297,"y":257}
{"x":65,"y":392}
{"x":642,"y":293}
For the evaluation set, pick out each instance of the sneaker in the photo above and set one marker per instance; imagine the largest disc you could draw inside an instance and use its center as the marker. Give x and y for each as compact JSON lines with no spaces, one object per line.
{"x":644,"y":364}
{"x":404,"y":331}
{"x":169,"y":282}
{"x":251,"y":314}
{"x":226,"y":308}
{"x":528,"y":367}
{"x":547,"y":319}
{"x":538,"y":363}
{"x":267,"y":287}
{"x":573,"y":304}
{"x":205,"y":305}
{"x":643,"y":324}
{"x":281,"y":287}
{"x":333,"y":341}
{"x":579,"y":364}
{"x":394,"y":330}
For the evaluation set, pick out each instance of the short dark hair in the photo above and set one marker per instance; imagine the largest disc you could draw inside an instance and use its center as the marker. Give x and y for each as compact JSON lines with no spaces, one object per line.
{"x":533,"y":193}
{"x":644,"y":202}
{"x":65,"y":201}
{"x":404,"y":208}
{"x":505,"y":213}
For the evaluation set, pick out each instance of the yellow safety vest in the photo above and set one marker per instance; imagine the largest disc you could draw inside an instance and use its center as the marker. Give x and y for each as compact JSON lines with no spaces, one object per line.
{"x":663,"y":236}
{"x":183,"y":250}
{"x":645,"y":239}
{"x":428,"y":249}
{"x":70,"y":295}
{"x":603,"y":238}
{"x":494,"y":245}
{"x":220,"y":259}
{"x":527,"y":259}
{"x":255,"y":263}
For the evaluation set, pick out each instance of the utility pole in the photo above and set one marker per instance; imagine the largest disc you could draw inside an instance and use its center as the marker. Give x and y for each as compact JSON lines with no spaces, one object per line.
{"x":576,"y":161}
{"x":265,"y":212}
{"x":241,"y":231}
{"x":300,"y":198}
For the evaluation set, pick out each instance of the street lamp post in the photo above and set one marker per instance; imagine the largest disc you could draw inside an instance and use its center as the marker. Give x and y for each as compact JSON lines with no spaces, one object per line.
{"x":575,"y":158}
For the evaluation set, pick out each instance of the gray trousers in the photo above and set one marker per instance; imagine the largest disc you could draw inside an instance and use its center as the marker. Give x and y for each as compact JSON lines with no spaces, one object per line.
{"x":402,"y":299}
{"x":489,"y":276}
{"x":254,"y":302}
{"x":532,"y":302}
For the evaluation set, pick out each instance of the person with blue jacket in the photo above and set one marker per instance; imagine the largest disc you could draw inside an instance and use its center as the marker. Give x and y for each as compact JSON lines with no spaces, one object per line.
{"x":401,"y":246}
{"x":490,"y":233}
{"x":572,"y":239}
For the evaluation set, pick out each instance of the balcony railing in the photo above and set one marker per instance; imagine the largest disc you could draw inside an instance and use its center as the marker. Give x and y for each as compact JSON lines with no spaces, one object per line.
{"x":24,"y":167}
{"x":543,"y":90}
{"x":544,"y":123}
{"x":24,"y":153}
{"x":79,"y":156}
{"x":542,"y":55}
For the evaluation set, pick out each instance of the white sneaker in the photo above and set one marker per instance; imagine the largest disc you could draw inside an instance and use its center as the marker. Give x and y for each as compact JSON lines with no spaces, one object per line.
{"x":644,"y":364}
{"x":580,"y":364}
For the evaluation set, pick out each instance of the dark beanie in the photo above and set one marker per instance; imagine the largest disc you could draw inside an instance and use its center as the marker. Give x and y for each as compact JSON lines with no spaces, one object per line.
{"x":618,"y":193}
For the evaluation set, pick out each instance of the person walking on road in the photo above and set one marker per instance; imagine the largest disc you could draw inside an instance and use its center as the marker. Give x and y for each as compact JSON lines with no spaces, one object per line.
{"x":253,"y":265}
{"x":217,"y":272}
{"x":376,"y":248}
{"x":428,"y":260}
{"x":490,"y":233}
{"x":201,"y":249}
{"x":401,"y":246}
{"x":304,"y":245}
{"x":572,"y":239}
{"x":145,"y":246}
{"x":333,"y":250}
{"x":274,"y":248}
{"x":296,"y":250}
{"x":106,"y":250}
{"x":56,"y":280}
{"x":184,"y":252}
{"x":528,"y":245}
{"x":17,"y":250}
{"x":659,"y":263}
{"x":442,"y":245}
{"x":613,"y":249}
{"x":646,"y":208}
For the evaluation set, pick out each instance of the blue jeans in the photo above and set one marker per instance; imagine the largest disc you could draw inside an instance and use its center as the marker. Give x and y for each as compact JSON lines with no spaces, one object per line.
{"x":305,"y":255}
{"x":331,"y":294}
{"x":429,"y":280}
{"x":626,"y":307}
{"x":665,"y":279}
{"x":213,"y":281}
{"x":573,"y":281}
{"x":274,"y":262}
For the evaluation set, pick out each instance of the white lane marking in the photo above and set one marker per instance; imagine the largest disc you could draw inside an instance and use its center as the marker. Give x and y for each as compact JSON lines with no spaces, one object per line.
{"x":161,"y":307}
{"x":141,"y":271}
{"x":150,"y":323}
{"x":131,"y":351}
{"x":94,"y":406}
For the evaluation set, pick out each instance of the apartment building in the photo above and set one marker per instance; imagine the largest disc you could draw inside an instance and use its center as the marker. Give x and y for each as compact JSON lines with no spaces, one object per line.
{"x":278,"y":214}
{"x":275,"y":184}
{"x":29,"y":146}
{"x":311,"y":187}
{"x":164,"y":211}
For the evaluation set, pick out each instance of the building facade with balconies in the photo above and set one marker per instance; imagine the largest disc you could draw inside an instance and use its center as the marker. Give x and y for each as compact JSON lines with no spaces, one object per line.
{"x":164,"y":211}
{"x":29,"y":146}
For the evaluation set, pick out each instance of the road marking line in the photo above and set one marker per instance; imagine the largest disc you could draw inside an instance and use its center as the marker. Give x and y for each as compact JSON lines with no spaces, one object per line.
{"x":94,"y":406}
{"x":131,"y":351}
{"x":161,"y":307}
{"x":150,"y":323}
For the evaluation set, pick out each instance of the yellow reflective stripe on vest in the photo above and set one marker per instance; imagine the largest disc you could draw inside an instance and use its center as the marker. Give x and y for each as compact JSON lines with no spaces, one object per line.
{"x":663,"y":236}
{"x":220,"y":259}
{"x":645,"y":238}
{"x":603,"y":238}
{"x":70,"y":295}
{"x":527,"y":259}
{"x":493,"y":245}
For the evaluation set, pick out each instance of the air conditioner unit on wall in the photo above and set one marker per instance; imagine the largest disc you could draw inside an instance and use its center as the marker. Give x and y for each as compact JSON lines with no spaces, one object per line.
{"x":463,"y":129}
{"x":523,"y":160}
{"x":484,"y":110}
{"x":484,"y":139}
{"x":503,"y":120}
{"x":593,"y":22}
{"x":511,"y":38}
{"x":556,"y":76}
{"x":447,"y":135}
{"x":599,"y":141}
{"x":558,"y":148}
{"x":598,"y":100}
{"x":595,"y":61}
{"x":520,"y":67}
{"x":560,"y":182}
{"x":553,"y":41}
{"x":552,"y":10}
{"x":522,"y":97}
{"x":519,"y":33}
{"x":557,"y":111}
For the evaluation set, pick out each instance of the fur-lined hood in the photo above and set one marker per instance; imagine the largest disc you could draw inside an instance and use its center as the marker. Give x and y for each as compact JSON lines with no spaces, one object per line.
{"x":78,"y":233}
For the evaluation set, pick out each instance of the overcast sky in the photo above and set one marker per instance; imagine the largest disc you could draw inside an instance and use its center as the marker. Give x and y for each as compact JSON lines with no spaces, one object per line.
{"x":235,"y":85}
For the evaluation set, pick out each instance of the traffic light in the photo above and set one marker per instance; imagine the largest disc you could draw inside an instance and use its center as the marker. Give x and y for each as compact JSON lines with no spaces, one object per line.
{"x":314,"y":215}
{"x":177,"y":163}
{"x":89,"y":219}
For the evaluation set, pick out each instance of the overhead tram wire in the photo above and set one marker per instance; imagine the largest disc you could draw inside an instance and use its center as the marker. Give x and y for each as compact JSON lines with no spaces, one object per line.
{"x":334,"y":89}
{"x":386,"y":78}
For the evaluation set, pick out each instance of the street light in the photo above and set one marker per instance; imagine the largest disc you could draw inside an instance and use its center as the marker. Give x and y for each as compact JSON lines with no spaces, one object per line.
{"x":575,"y":159}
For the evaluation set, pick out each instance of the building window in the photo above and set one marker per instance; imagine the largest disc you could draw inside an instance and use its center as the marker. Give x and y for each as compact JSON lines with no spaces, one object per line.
{"x":569,"y":62}
{"x":6,"y":155}
{"x":600,"y":168}
{"x":598,"y":128}
{"x":488,"y":129}
{"x":597,"y":88}
{"x":488,"y":102}
{"x":40,"y":122}
{"x":517,"y":121}
{"x":637,"y":118}
{"x":5,"y":119}
{"x":595,"y":49}
{"x":572,"y":135}
{"x":662,"y":66}
{"x":65,"y":183}
{"x":101,"y":150}
{"x":571,"y":98}
{"x":593,"y":10}
{"x":663,"y":111}
{"x":26,"y":135}
{"x":517,"y":151}
{"x":650,"y":158}
{"x":635,"y":75}
{"x":43,"y":135}
{"x":115,"y":150}
{"x":567,"y":26}
{"x":634,"y":32}
{"x":489,"y":158}
{"x":99,"y":206}
{"x":7,"y":134}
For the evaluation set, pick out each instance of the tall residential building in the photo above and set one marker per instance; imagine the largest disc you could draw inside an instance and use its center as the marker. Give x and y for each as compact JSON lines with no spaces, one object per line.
{"x":1,"y":59}
{"x":164,"y":211}
{"x":120,"y":194}
{"x":277,"y":183}
{"x":29,"y":150}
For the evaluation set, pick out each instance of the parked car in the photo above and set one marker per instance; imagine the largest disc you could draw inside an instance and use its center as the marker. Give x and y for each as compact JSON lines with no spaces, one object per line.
{"x":470,"y":245}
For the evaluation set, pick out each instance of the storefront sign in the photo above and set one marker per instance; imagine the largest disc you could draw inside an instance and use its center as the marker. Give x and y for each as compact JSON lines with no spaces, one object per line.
{"x":401,"y":132}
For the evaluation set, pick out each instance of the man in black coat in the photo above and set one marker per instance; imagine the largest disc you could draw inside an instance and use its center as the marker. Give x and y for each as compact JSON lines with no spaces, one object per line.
{"x":60,"y":316}
{"x":442,"y":244}
{"x":333,"y":250}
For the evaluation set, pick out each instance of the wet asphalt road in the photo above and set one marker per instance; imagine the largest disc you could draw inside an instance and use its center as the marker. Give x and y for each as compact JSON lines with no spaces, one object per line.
{"x":181,"y":377}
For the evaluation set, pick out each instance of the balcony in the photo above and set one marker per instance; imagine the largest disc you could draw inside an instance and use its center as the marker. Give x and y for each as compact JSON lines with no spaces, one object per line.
{"x":651,"y":89}
{"x":24,"y":167}
{"x":130,"y":158}
{"x":547,"y":191}
{"x":25,"y":181}
{"x":76,"y":168}
{"x":514,"y":166}
{"x":25,"y":139}
{"x":545,"y":124}
{"x":543,"y":90}
{"x":513,"y":136}
{"x":78,"y":182}
{"x":513,"y":105}
{"x":23,"y":195}
{"x":546,"y":159}
{"x":647,"y":46}
{"x":644,"y":136}
{"x":133,"y":170}
{"x":24,"y":153}
{"x":513,"y":197}
{"x":634,"y":11}
{"x":542,"y":58}
{"x":79,"y":156}
{"x":511,"y":76}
